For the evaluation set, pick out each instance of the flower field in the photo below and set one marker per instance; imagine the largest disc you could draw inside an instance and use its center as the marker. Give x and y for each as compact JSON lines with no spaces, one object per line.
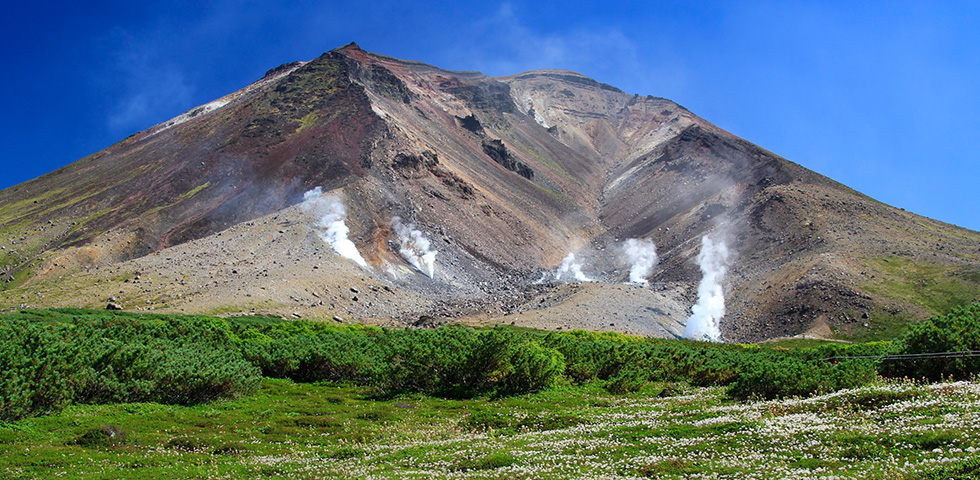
{"x":893,"y":430}
{"x":89,"y":394}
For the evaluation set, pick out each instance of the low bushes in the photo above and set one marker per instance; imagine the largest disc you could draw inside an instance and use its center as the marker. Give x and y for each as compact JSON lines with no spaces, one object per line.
{"x":957,"y":331}
{"x":47,"y":362}
{"x":51,"y":358}
{"x":796,"y":377}
{"x":749,"y":371}
{"x":314,"y":357}
{"x":450,"y":361}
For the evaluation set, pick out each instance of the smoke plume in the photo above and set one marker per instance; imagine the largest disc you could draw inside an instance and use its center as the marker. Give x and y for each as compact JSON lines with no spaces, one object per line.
{"x":415,"y":248}
{"x":333,"y":230}
{"x":704,"y":323}
{"x":641,"y":255}
{"x":569,"y":265}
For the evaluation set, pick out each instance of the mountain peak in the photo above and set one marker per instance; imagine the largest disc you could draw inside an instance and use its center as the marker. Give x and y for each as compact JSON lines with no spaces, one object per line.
{"x":545,"y":72}
{"x":468,"y":198}
{"x":568,"y":76}
{"x":352,"y":46}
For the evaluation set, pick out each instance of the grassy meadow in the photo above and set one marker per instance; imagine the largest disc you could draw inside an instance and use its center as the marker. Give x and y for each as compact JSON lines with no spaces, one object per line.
{"x":90,"y":394}
{"x":894,"y":430}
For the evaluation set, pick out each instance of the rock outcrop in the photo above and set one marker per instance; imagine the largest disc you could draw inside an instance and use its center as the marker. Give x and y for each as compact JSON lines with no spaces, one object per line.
{"x":503,"y":178}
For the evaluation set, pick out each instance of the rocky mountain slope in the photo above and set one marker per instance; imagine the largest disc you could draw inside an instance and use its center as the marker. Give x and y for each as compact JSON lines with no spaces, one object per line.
{"x":464,"y":196}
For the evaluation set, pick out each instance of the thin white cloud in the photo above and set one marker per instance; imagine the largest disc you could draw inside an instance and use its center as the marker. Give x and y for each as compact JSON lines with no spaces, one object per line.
{"x":152,"y":96}
{"x":151,"y":89}
{"x":510,"y":42}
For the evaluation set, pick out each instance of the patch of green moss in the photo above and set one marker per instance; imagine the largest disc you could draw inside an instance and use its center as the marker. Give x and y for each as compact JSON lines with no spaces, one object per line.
{"x":936,"y":288}
{"x":8,"y":211}
{"x":195,"y":191}
{"x":48,"y":203}
{"x":556,"y":195}
{"x":307,"y":121}
{"x":884,"y":325}
{"x":182,"y":197}
{"x":20,"y":275}
{"x":545,"y":160}
{"x":96,"y":215}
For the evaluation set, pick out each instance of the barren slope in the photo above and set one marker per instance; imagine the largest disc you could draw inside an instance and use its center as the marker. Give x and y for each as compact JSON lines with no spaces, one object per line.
{"x":504,"y":177}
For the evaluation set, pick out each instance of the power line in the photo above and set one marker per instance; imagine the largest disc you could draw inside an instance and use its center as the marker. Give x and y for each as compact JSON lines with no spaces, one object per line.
{"x":913,"y":356}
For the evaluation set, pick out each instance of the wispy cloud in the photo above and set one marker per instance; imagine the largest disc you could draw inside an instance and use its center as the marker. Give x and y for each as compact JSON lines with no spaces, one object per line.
{"x":507,"y":43}
{"x":151,"y":96}
{"x":151,"y":89}
{"x":511,"y":41}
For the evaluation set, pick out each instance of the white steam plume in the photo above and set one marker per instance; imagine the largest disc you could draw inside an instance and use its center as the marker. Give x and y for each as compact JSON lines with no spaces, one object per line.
{"x":333,"y":230}
{"x":703,"y":324}
{"x":569,"y":265}
{"x":642,"y":257}
{"x":415,"y":247}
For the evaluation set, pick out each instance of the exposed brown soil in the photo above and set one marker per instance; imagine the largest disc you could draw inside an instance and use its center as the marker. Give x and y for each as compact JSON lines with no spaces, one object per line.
{"x":505,"y":176}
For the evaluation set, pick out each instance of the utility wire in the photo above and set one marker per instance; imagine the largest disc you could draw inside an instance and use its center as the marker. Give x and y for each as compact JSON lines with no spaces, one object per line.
{"x":912,"y":356}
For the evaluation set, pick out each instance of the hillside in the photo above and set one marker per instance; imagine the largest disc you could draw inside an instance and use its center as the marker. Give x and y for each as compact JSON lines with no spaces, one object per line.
{"x":494,"y":182}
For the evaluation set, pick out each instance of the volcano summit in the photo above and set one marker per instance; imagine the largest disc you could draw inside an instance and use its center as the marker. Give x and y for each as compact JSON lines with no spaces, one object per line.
{"x":357,"y":186}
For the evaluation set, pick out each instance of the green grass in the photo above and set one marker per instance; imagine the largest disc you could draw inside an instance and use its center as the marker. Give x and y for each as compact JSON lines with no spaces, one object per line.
{"x":183,"y":196}
{"x":297,"y":430}
{"x":885,"y":325}
{"x":659,"y":427}
{"x":936,"y":288}
{"x":543,"y":159}
{"x":307,"y":121}
{"x":791,"y":343}
{"x":16,"y":208}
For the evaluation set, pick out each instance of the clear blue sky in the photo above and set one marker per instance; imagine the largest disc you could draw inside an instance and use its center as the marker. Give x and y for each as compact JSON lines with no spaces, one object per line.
{"x":883,"y":97}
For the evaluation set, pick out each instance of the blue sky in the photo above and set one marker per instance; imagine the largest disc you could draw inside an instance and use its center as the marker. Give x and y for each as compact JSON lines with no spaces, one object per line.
{"x":881,"y":96}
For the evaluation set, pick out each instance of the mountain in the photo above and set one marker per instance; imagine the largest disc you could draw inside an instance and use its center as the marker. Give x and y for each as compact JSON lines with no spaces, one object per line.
{"x":465,"y":194}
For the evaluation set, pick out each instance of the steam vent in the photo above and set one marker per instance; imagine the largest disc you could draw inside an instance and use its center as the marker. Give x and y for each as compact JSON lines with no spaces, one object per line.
{"x":362,"y":188}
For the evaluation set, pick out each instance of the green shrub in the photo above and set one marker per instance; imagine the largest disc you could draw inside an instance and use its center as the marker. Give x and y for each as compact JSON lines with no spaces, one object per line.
{"x":462,"y":362}
{"x":533,"y":368}
{"x":444,"y":361}
{"x":51,"y":359}
{"x":968,"y":469}
{"x":338,"y":356}
{"x":956,"y":331}
{"x":103,"y":436}
{"x":629,"y":379}
{"x":793,"y":377}
{"x":452,"y":361}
